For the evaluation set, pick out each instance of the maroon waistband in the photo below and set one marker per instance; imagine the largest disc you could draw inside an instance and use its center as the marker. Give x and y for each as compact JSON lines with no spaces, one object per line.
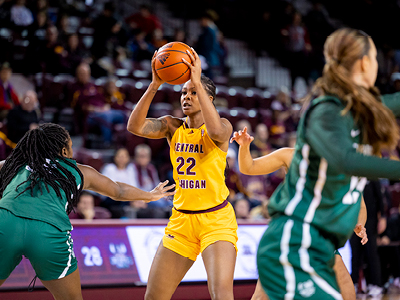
{"x":192,"y":212}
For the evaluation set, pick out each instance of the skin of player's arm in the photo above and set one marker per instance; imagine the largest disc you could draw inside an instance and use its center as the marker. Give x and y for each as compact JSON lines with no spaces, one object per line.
{"x":119,"y":191}
{"x":138,"y":124}
{"x":362,"y":215}
{"x":218,"y":129}
{"x":2,"y":163}
{"x":265,"y":164}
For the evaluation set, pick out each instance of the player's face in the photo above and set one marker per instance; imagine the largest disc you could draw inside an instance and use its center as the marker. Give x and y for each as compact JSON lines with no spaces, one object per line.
{"x":189,"y":101}
{"x":372,"y":70}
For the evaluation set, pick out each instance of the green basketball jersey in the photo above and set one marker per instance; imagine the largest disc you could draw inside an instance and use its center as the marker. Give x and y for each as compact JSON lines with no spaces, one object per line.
{"x":324,"y":183}
{"x":46,"y":207}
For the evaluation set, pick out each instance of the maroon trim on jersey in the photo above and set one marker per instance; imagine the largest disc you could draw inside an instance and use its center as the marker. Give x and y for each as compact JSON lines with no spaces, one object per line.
{"x":192,"y":212}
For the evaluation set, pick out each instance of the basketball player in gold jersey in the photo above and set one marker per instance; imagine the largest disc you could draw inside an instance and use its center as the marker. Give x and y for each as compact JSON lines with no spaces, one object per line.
{"x":202,"y":220}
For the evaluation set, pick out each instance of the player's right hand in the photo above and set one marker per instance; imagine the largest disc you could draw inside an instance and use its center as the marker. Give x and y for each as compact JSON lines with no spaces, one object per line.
{"x":155,"y":78}
{"x":161,"y":191}
{"x":242,"y":137}
{"x":360,"y":231}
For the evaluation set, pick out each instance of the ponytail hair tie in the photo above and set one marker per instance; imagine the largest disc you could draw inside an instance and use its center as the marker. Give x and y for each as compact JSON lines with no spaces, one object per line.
{"x":336,"y":60}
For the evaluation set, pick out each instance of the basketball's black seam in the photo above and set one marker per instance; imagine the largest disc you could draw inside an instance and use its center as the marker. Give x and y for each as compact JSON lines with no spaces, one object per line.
{"x":168,"y":50}
{"x":179,"y":76}
{"x":181,"y":62}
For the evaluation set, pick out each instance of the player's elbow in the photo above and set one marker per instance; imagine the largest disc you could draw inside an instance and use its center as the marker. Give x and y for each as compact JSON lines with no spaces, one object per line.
{"x":132,"y":128}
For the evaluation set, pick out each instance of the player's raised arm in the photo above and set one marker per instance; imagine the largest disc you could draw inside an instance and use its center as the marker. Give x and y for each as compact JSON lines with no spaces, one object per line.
{"x":138,"y":124}
{"x":218,"y":129}
{"x":119,"y":191}
{"x":262,"y":165}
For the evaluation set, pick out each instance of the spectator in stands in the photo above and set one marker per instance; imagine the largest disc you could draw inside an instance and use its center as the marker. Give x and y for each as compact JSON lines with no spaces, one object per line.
{"x":207,"y":44}
{"x":143,"y":21}
{"x":298,"y":47}
{"x":92,"y":106}
{"x":63,"y":28}
{"x":50,"y":54}
{"x":140,"y":48}
{"x":86,"y":210}
{"x":121,"y":170}
{"x":113,"y":96}
{"x":8,"y":96}
{"x":103,"y":30}
{"x":242,"y":208}
{"x":73,"y":54}
{"x":147,"y":179}
{"x":261,"y":139}
{"x":179,"y":36}
{"x":23,"y":117}
{"x":260,"y":212}
{"x":21,"y":16}
{"x":157,"y":38}
{"x":37,"y":31}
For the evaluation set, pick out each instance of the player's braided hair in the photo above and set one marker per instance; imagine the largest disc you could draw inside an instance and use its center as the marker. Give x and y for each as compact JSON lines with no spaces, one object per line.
{"x":41,"y":150}
{"x":341,"y":50}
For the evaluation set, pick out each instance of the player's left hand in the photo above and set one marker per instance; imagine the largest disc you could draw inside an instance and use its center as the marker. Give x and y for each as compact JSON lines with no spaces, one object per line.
{"x":360,"y":231}
{"x":161,"y":190}
{"x":194,"y":65}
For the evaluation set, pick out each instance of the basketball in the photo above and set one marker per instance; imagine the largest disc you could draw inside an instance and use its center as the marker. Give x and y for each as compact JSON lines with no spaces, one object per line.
{"x":169,"y":65}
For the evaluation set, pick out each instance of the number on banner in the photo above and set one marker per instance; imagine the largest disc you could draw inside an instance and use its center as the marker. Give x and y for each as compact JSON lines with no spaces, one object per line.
{"x":92,"y":256}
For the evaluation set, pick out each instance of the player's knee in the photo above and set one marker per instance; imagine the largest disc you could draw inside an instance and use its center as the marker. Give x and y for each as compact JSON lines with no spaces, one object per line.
{"x":221,"y":292}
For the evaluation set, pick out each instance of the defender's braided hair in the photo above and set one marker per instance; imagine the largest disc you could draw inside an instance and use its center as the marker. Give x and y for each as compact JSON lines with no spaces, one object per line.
{"x":40,"y":149}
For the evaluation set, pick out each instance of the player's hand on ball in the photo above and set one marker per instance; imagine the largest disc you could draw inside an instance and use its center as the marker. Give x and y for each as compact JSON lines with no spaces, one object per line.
{"x":194,"y":65}
{"x":161,"y":191}
{"x":362,"y":233}
{"x":242,"y":137}
{"x":155,"y":78}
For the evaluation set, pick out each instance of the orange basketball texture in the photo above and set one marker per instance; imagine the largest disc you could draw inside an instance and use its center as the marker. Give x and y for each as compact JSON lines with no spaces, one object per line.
{"x":169,"y":65}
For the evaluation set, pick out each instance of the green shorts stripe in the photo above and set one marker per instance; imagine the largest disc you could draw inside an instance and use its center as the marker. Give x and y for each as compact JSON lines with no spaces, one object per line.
{"x":295,"y":262}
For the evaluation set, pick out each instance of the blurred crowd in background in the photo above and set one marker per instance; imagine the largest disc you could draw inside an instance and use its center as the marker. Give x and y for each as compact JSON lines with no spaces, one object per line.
{"x":84,"y":66}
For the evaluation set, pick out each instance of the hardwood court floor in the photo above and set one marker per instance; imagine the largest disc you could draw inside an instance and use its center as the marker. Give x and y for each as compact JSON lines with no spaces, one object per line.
{"x":381,"y":297}
{"x":392,"y":293}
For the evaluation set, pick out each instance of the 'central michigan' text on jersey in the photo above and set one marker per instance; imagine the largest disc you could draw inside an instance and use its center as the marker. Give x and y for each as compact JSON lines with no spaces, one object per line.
{"x":198,"y":169}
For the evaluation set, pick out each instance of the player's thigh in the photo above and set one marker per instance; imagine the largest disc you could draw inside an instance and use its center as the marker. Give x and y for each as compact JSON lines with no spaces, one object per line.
{"x":163,"y":281}
{"x":67,"y":288}
{"x":219,"y":260}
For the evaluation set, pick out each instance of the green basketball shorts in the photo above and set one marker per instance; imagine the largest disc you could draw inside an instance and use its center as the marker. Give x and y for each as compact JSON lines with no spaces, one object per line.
{"x":295,"y":262}
{"x":49,"y":250}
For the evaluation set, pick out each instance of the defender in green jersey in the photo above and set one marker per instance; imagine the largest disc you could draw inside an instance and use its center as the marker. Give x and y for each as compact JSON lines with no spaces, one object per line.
{"x":339,"y":138}
{"x":39,"y":185}
{"x":282,"y":158}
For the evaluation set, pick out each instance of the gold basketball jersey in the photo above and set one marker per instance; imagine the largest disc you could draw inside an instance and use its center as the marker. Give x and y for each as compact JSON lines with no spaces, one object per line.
{"x":198,"y":169}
